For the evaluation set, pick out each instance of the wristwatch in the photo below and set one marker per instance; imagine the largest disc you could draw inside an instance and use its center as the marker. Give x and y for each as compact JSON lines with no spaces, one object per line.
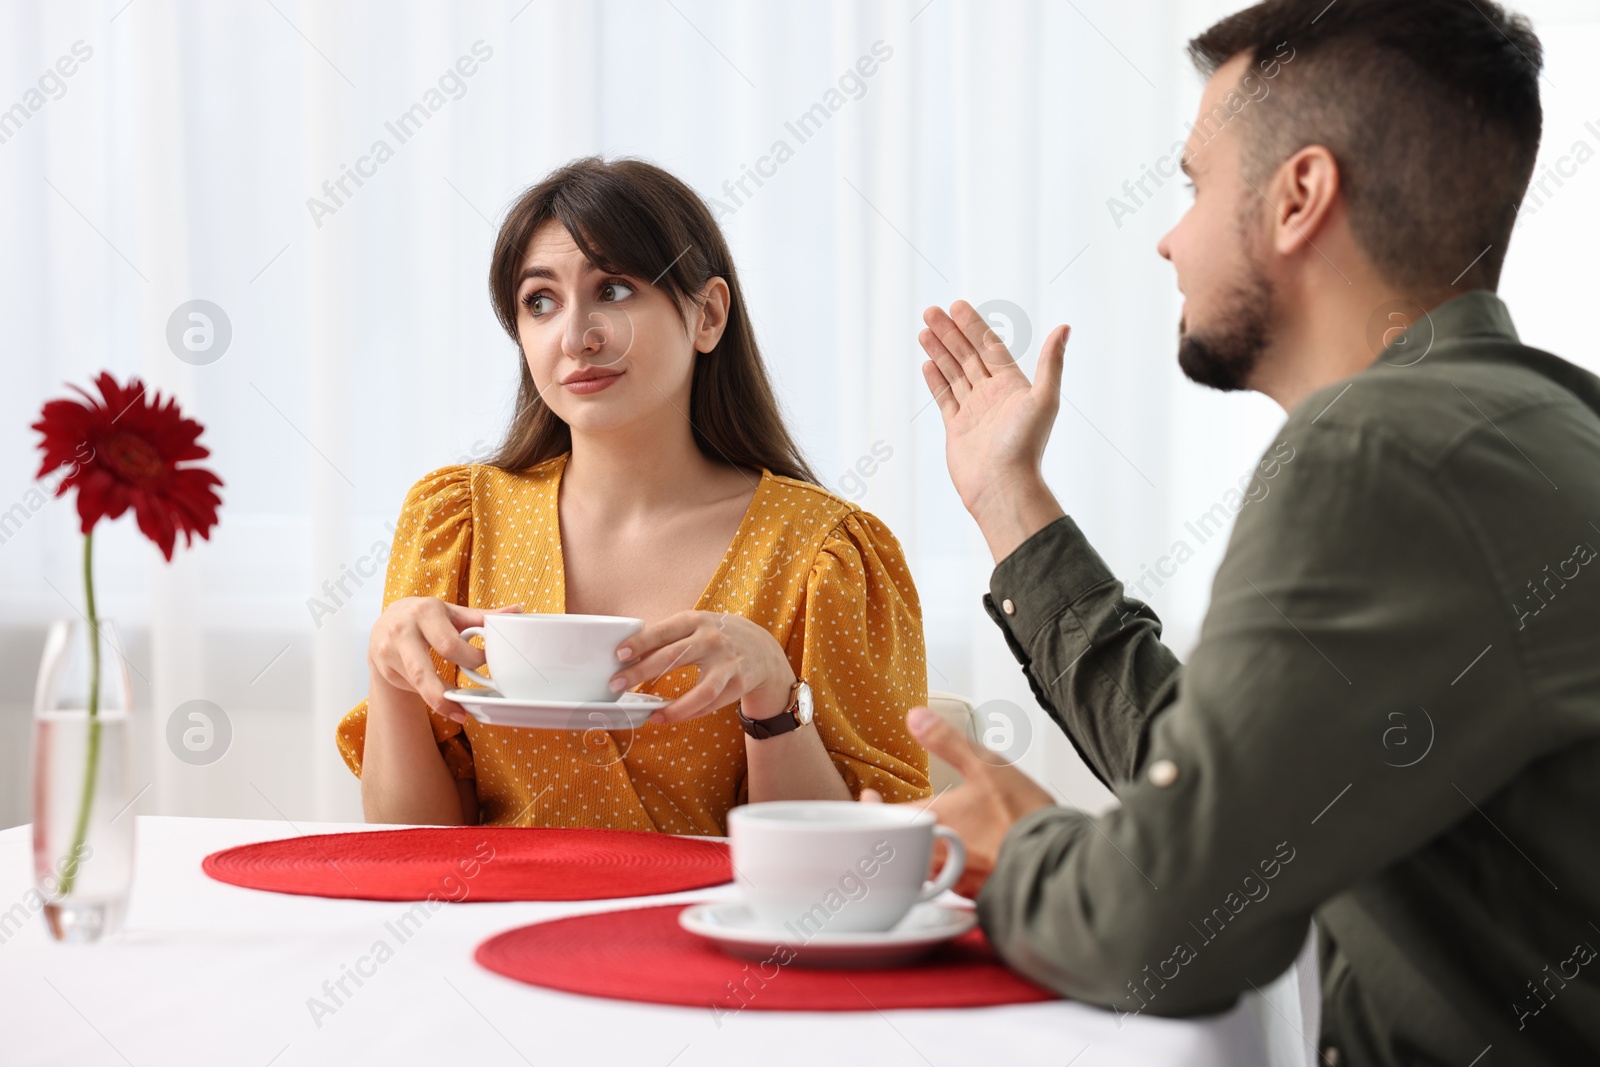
{"x":796,"y":715}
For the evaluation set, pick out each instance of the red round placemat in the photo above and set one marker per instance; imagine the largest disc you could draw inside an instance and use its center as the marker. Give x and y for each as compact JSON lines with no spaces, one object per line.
{"x":643,"y":954}
{"x":464,"y":863}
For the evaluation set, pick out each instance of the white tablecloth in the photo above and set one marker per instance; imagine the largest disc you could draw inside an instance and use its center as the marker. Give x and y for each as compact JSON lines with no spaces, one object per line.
{"x":210,"y":974}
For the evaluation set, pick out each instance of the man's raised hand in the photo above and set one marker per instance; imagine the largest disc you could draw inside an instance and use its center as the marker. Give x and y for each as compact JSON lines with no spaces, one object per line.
{"x":996,"y":422}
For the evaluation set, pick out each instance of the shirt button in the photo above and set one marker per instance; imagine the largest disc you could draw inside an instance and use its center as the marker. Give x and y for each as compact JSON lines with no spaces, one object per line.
{"x":1162,"y":773}
{"x":1330,"y":1056}
{"x":1008,"y":607}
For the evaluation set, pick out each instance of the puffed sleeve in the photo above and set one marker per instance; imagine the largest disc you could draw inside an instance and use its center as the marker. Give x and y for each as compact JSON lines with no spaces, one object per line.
{"x":862,"y":653}
{"x":432,"y":547}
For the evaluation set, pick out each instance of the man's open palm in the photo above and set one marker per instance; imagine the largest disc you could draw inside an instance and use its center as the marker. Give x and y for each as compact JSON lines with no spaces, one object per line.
{"x":996,"y":423}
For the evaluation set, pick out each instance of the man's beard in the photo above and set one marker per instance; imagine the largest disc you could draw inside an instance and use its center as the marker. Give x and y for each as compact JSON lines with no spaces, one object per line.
{"x":1226,"y":356}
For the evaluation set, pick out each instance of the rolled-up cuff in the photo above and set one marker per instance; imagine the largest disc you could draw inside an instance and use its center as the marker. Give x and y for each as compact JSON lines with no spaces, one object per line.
{"x":1038,"y":581}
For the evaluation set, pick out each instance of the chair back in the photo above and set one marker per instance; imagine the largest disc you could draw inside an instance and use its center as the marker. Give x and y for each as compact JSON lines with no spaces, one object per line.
{"x":959,"y":712}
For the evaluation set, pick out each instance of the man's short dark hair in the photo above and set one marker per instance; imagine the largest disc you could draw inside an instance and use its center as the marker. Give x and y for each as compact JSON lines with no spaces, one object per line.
{"x":1431,"y":108}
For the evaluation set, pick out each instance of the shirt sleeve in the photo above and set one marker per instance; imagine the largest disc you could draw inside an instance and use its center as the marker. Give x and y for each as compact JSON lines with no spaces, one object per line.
{"x":1092,"y":656}
{"x":858,"y":643}
{"x":432,"y":548}
{"x":1317,"y":735}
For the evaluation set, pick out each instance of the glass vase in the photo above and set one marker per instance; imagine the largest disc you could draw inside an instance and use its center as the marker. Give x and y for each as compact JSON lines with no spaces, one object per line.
{"x":82,"y":829}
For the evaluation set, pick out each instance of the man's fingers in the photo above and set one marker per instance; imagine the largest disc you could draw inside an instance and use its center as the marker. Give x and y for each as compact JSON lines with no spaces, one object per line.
{"x":949,"y":802}
{"x":970,"y":884}
{"x":940,"y":388}
{"x":949,"y":367}
{"x":986,"y":344}
{"x":946,"y":742}
{"x":956,"y":340}
{"x":872,"y":796}
{"x":1047,"y":377}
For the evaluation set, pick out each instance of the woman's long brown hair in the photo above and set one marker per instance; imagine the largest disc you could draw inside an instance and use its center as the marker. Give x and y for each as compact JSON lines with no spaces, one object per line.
{"x":629,"y":217}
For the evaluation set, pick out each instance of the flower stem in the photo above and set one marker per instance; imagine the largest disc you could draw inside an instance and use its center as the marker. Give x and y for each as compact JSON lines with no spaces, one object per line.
{"x":69,"y":873}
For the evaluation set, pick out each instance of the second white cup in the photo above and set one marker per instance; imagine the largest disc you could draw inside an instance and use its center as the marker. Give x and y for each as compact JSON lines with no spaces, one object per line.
{"x":835,"y":866}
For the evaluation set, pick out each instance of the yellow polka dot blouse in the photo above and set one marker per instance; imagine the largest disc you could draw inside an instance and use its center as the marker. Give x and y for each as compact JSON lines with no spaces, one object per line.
{"x":825,"y":578}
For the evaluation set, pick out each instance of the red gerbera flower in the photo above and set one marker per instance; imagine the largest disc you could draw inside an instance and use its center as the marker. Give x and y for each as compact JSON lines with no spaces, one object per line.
{"x":123,"y":451}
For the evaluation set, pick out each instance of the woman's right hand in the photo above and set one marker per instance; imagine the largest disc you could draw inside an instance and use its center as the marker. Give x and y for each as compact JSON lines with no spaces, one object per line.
{"x":409,"y":630}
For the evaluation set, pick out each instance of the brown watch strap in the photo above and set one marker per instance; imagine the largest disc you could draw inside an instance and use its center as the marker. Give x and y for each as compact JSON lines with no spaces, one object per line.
{"x":784,"y":722}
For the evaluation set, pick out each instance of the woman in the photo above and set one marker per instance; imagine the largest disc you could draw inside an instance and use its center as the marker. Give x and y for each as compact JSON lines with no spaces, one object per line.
{"x":646,"y":473}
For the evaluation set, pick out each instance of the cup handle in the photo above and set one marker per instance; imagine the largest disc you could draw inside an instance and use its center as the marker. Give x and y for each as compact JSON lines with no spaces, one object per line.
{"x":955,"y":861}
{"x":487,"y":683}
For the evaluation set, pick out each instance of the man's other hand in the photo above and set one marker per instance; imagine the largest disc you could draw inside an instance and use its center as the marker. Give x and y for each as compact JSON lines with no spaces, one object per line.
{"x":993,"y":795}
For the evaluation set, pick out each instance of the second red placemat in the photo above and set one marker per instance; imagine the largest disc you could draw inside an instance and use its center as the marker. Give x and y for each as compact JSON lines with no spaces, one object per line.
{"x":462,"y":863}
{"x":643,"y":954}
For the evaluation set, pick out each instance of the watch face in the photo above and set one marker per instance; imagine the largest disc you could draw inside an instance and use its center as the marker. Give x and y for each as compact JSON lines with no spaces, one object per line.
{"x":803,"y":699}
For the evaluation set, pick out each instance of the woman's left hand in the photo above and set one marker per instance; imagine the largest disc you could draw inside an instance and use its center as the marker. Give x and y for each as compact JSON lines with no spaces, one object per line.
{"x":738,"y":661}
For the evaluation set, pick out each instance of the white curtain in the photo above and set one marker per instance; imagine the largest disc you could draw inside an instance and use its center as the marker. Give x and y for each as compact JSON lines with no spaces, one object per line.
{"x":228,"y":152}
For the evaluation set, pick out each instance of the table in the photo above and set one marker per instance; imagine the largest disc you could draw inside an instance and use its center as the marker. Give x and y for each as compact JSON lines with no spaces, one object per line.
{"x":212,"y":974}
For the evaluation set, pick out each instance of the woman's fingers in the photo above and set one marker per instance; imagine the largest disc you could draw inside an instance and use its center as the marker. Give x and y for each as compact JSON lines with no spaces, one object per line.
{"x":732,"y":654}
{"x":653,"y":666}
{"x":416,"y":666}
{"x":386,"y":658}
{"x":421,"y":676}
{"x":405,"y":640}
{"x":673,"y":628}
{"x":391,"y":674}
{"x":712,"y":691}
{"x":461,"y":616}
{"x":439,"y":631}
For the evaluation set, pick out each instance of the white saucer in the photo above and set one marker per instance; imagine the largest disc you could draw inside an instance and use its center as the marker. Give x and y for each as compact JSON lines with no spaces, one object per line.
{"x":627,"y":712}
{"x":733,"y":927}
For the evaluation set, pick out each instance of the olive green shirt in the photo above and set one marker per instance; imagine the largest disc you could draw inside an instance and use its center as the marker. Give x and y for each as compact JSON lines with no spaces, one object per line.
{"x":1390,"y":723}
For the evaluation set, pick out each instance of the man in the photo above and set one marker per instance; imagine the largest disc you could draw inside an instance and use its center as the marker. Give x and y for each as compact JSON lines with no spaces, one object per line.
{"x":1391,"y":720}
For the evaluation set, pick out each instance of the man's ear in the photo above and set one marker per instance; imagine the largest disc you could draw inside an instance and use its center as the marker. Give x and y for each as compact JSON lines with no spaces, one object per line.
{"x":1304,"y":192}
{"x":712,"y":317}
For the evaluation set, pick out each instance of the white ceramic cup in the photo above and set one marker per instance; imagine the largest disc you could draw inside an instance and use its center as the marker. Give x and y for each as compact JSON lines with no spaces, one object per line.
{"x":836,"y":866}
{"x":552,"y":657}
